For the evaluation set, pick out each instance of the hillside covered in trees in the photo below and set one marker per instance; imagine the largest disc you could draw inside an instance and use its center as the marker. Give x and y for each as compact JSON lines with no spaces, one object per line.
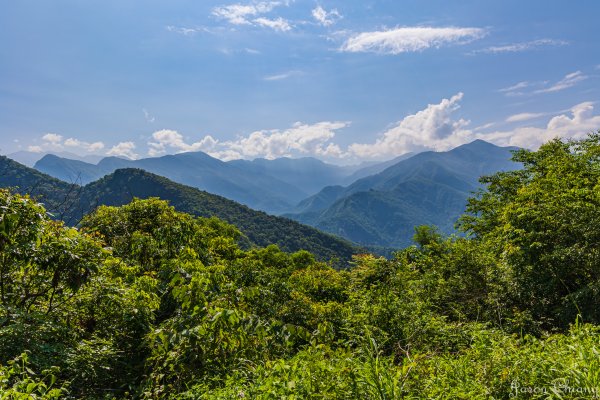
{"x":147,"y":302}
{"x":69,"y":202}
{"x":429,"y":188}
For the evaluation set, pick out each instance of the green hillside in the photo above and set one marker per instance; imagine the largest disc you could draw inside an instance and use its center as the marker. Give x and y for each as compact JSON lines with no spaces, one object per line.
{"x":427,"y":188}
{"x":71,"y":203}
{"x":260,"y":228}
{"x":60,"y":198}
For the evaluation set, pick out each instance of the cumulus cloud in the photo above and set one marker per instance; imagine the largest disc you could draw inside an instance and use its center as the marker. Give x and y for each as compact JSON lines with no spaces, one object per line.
{"x":431,"y":128}
{"x":568,"y":81}
{"x":124,"y":149}
{"x":409,"y":39}
{"x":300,"y":139}
{"x":250,"y":14}
{"x":167,"y":139}
{"x":324,"y":17}
{"x":56,"y":142}
{"x":575,"y":124}
{"x":52,"y":138}
{"x":523,"y":46}
{"x":35,"y":149}
{"x":79,"y":144}
{"x":434,"y":129}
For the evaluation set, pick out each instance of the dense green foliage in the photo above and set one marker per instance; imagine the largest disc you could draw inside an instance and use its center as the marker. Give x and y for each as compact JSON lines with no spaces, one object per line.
{"x":542,"y":224}
{"x":71,"y":202}
{"x":146,"y":302}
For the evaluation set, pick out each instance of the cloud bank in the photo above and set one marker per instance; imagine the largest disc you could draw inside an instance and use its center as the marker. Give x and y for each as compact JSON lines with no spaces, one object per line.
{"x":300,"y":139}
{"x":56,"y":142}
{"x":436,"y":127}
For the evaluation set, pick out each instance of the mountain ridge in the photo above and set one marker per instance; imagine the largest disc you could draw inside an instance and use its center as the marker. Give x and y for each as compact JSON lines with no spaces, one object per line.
{"x":428,"y":188}
{"x":70,"y":202}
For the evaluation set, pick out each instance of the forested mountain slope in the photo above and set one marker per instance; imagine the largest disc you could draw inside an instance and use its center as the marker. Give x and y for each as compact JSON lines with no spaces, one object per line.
{"x":196,"y":169}
{"x":71,"y":202}
{"x":427,"y":188}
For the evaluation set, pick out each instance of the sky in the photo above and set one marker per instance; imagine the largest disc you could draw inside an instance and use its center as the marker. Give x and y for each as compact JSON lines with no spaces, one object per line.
{"x":341,"y":80}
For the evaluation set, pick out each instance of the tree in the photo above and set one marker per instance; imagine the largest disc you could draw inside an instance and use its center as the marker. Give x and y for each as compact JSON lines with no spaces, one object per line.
{"x":42,"y":262}
{"x":543,"y":224}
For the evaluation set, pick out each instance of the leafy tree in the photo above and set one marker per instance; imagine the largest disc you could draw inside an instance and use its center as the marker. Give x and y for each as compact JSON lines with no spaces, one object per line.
{"x":42,"y":263}
{"x":542,"y":223}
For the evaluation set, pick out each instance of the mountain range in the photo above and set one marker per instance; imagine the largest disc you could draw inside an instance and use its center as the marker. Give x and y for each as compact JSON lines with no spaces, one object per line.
{"x":374,"y":205}
{"x":429,"y":188}
{"x":70,"y":202}
{"x":274,"y":186}
{"x":29,"y":158}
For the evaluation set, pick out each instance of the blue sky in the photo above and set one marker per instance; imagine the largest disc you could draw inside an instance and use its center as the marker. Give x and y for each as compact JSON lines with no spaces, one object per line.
{"x":343,"y":81}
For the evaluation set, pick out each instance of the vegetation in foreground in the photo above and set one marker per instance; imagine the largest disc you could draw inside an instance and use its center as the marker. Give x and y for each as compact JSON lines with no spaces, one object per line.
{"x":145,"y":302}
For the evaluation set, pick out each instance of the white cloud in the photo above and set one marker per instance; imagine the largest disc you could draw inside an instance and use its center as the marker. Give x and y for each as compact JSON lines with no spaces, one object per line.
{"x":576,"y":124}
{"x":250,"y":14}
{"x":326,"y":18}
{"x":278,"y":24}
{"x":484,"y":126}
{"x":300,"y":139}
{"x":147,"y":116}
{"x":124,"y":149}
{"x":79,"y":144}
{"x":524,"y":117}
{"x":96,"y":146}
{"x":52,"y":138}
{"x":568,"y":81}
{"x":434,"y":128}
{"x":35,"y":149}
{"x":238,"y":14}
{"x":431,"y":128}
{"x":282,"y":76}
{"x":513,"y":88}
{"x":409,"y":39}
{"x":182,"y":30}
{"x":71,"y":142}
{"x":56,"y":142}
{"x":523,"y":46}
{"x":169,"y":139}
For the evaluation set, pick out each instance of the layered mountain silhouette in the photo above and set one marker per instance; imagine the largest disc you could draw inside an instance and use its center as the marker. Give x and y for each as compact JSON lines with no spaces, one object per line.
{"x":70,"y":202}
{"x":374,"y":205}
{"x":429,"y":188}
{"x":275,"y":186}
{"x":29,"y":158}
